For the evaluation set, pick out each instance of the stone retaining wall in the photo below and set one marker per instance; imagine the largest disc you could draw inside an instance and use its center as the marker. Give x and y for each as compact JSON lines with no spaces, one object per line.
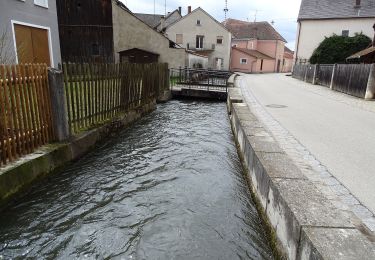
{"x":306,"y":223}
{"x":16,"y":178}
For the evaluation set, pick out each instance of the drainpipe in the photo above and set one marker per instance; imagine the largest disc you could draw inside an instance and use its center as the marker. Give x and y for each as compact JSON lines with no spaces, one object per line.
{"x":297,"y":45}
{"x":275,"y":68}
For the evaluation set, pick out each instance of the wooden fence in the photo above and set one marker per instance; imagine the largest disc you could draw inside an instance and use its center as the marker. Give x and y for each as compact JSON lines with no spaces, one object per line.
{"x":97,"y":92}
{"x":310,"y":72}
{"x":324,"y":75}
{"x":25,"y":110}
{"x":351,"y":79}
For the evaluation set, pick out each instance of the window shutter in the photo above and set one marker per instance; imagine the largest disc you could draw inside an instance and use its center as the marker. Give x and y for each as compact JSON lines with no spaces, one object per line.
{"x":43,"y":3}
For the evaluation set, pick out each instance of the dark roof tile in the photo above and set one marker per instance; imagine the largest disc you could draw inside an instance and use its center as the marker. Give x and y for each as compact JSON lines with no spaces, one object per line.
{"x":330,"y":9}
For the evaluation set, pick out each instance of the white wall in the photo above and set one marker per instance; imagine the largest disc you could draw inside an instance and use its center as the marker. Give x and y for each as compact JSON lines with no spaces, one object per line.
{"x":312,"y":32}
{"x":209,"y":28}
{"x":195,"y":59}
{"x":129,"y":32}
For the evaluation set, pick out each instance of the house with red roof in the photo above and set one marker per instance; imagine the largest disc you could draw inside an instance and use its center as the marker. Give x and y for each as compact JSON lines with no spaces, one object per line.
{"x":258,"y":48}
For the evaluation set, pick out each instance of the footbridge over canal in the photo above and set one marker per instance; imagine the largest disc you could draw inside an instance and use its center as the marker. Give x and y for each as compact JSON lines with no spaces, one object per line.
{"x":200,"y":83}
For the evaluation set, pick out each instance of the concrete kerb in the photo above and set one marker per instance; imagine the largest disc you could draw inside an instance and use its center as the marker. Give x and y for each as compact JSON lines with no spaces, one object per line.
{"x":17,"y":178}
{"x":303,"y":219}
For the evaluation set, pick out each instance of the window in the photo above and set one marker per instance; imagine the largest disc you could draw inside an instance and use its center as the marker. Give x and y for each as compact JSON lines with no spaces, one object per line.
{"x":357,"y":3}
{"x":179,"y":38}
{"x":261,"y":65}
{"x":95,"y":49}
{"x":199,"y":42}
{"x":243,"y":61}
{"x":43,"y":3}
{"x":345,"y":33}
{"x":219,"y":40}
{"x":198,"y":22}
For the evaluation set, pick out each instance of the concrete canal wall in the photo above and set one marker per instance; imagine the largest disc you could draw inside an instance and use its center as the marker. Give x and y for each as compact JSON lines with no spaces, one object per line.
{"x":16,"y":178}
{"x":307,"y":225}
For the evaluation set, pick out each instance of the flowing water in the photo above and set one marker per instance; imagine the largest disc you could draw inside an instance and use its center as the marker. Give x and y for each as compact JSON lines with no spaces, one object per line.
{"x":169,"y":187}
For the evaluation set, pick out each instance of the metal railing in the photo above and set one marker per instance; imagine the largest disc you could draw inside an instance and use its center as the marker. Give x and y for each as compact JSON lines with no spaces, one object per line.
{"x":203,"y":47}
{"x":203,"y":79}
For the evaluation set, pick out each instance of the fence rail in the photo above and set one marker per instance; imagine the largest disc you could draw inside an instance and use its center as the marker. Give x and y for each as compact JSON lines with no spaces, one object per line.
{"x":97,"y":92}
{"x":25,"y":110}
{"x":351,"y":79}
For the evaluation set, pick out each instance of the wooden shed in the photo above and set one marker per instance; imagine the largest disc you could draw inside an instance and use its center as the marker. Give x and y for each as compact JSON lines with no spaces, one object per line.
{"x":140,"y":56}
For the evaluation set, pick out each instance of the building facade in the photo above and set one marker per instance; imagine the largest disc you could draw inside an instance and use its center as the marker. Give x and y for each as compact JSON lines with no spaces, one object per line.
{"x":86,"y":31}
{"x":29,"y":32}
{"x":130,"y":32}
{"x":256,"y":47}
{"x":201,"y":33}
{"x":323,"y":18}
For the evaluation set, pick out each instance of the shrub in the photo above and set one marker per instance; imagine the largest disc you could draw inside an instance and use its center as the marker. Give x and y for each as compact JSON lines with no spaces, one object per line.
{"x":336,"y":49}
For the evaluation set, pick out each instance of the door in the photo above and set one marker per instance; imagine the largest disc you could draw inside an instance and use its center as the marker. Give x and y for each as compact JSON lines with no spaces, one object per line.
{"x":32,"y":44}
{"x":278,"y":66}
{"x":219,"y":63}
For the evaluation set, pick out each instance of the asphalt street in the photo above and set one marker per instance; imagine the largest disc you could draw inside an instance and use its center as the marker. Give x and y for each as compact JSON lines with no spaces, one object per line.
{"x":339,"y":130}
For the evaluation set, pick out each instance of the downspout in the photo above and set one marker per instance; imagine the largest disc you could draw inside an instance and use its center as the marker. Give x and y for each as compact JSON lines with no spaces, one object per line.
{"x":299,"y":35}
{"x":275,"y":68}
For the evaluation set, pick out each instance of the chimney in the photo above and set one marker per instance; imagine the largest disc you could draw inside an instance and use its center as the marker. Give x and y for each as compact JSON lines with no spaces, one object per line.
{"x":189,"y":9}
{"x":373,"y":41}
{"x":162,"y":22}
{"x":180,"y":10}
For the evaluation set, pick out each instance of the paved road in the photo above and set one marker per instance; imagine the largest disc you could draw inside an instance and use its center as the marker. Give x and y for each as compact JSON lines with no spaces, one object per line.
{"x":337,"y":129}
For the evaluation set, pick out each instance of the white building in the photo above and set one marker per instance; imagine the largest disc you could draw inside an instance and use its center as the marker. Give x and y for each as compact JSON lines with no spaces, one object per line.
{"x":322,"y":18}
{"x":200,"y":32}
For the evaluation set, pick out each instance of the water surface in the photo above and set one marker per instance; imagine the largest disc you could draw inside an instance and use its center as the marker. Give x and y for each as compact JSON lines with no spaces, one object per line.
{"x":169,"y":187}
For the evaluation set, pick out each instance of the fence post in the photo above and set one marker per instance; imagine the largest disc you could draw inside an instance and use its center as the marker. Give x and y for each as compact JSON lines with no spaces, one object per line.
{"x":306,"y":70}
{"x":316,"y":69}
{"x":333,"y":75}
{"x":58,"y":104}
{"x":370,"y":90}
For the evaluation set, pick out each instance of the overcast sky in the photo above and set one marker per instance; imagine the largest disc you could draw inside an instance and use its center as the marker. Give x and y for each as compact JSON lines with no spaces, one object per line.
{"x":283,"y":12}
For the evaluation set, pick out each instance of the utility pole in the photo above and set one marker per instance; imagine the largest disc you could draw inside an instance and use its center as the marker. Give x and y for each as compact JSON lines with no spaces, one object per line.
{"x":255,"y":16}
{"x":226,"y":11}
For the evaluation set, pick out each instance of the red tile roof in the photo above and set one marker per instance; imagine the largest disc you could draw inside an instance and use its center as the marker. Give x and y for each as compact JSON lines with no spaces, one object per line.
{"x":256,"y":30}
{"x":254,"y":53}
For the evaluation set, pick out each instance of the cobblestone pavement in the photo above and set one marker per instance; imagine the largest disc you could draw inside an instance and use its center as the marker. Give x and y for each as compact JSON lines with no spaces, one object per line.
{"x":339,"y":195}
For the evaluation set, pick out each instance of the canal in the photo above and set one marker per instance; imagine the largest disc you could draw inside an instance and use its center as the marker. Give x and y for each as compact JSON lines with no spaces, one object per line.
{"x":169,"y":187}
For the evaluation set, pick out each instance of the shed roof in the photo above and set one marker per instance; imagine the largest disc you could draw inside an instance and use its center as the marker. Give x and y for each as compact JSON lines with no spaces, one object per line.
{"x":339,"y":9}
{"x":129,"y":51}
{"x":363,"y":53}
{"x":252,"y":30}
{"x":254,"y":53}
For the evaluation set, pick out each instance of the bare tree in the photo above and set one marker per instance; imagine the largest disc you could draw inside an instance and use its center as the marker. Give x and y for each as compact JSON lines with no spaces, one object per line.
{"x":6,"y":51}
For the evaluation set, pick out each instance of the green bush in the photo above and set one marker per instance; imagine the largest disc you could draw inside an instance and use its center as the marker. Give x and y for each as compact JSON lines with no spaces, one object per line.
{"x":336,"y":49}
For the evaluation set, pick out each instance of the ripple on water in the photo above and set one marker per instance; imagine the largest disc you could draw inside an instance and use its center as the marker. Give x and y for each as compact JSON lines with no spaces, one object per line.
{"x":170,"y":186}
